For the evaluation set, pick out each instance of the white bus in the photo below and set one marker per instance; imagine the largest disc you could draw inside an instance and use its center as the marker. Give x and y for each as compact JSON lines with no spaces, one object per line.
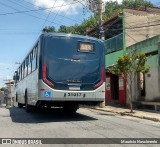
{"x":62,"y":70}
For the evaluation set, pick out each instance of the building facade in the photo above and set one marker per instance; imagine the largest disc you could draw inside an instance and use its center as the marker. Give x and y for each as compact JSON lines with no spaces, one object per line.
{"x":133,"y":29}
{"x":150,"y":82}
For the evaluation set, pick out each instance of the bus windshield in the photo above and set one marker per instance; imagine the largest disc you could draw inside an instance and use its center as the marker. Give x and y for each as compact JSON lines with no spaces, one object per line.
{"x":66,"y":62}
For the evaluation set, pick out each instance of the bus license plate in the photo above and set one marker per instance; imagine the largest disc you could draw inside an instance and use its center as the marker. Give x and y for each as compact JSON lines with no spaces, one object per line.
{"x":74,"y":95}
{"x":74,"y":88}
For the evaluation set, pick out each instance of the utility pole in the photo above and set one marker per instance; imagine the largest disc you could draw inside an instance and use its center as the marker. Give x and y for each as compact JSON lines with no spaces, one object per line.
{"x":98,"y":7}
{"x":101,"y":32}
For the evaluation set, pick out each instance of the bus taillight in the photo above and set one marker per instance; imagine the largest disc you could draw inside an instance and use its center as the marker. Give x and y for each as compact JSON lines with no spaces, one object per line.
{"x":102,"y":78}
{"x":44,"y":73}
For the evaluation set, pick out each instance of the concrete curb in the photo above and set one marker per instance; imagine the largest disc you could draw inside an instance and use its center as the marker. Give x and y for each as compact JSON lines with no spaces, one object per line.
{"x":129,"y":114}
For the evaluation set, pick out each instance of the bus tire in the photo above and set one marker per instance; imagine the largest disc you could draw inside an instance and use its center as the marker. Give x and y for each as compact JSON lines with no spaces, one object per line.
{"x":20,"y":105}
{"x":16,"y":97}
{"x":28,"y":107}
{"x":71,"y":108}
{"x":49,"y":106}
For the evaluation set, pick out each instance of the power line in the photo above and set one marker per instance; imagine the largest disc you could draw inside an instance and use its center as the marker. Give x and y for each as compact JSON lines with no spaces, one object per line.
{"x":85,"y":6}
{"x":8,"y":6}
{"x":143,"y":26}
{"x":131,"y":27}
{"x":65,"y":14}
{"x":149,"y":24}
{"x":140,"y":22}
{"x":131,"y":37}
{"x":42,"y":14}
{"x":57,"y":13}
{"x":60,"y":14}
{"x":33,"y":10}
{"x":47,"y":18}
{"x":48,"y":15}
{"x":140,"y":12}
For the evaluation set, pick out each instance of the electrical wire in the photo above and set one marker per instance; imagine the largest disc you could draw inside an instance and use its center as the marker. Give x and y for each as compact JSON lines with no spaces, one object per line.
{"x":85,"y":7}
{"x":62,"y":15}
{"x":34,"y":15}
{"x":57,"y":13}
{"x":48,"y":15}
{"x":42,"y":14}
{"x":131,"y":37}
{"x":33,"y":10}
{"x":69,"y":8}
{"x":143,"y":26}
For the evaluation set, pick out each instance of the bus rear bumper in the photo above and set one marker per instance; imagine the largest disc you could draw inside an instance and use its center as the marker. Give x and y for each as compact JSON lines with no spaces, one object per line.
{"x":47,"y":94}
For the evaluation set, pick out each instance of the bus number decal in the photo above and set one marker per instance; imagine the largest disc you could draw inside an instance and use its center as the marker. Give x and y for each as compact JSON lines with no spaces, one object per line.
{"x":73,"y":94}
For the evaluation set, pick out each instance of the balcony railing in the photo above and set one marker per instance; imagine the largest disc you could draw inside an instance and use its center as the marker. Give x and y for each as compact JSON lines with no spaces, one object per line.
{"x":114,"y":44}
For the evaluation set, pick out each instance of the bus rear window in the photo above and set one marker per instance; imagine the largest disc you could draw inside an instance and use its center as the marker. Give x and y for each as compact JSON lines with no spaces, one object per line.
{"x":86,"y":47}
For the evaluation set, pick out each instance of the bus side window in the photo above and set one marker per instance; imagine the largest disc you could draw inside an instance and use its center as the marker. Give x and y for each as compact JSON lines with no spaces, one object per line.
{"x":29,"y":63}
{"x":34,"y":62}
{"x":36,"y":54}
{"x":20,"y":73}
{"x":26,"y":67}
{"x":23,"y":70}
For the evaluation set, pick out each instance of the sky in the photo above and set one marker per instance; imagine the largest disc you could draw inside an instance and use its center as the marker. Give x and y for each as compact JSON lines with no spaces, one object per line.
{"x":19,"y":31}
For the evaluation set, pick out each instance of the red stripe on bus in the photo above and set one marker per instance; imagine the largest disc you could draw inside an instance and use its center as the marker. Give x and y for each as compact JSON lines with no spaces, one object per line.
{"x":44,"y":72}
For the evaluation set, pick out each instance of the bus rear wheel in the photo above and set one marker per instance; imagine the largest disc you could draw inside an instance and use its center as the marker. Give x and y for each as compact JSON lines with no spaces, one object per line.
{"x":28,"y":107}
{"x":71,"y":107}
{"x":20,"y":105}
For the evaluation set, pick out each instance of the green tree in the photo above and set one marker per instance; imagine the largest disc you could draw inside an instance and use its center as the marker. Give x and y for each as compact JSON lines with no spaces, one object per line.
{"x":86,"y":24}
{"x":63,"y":29}
{"x":136,"y":3}
{"x":112,"y":8}
{"x":129,"y":66}
{"x":81,"y":28}
{"x":49,"y":29}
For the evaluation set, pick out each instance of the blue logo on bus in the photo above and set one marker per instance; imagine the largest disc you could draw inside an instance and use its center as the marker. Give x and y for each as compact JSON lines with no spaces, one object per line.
{"x":47,"y":94}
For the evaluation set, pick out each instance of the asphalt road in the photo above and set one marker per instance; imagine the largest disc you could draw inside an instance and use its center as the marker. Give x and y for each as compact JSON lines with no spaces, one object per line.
{"x":86,"y":123}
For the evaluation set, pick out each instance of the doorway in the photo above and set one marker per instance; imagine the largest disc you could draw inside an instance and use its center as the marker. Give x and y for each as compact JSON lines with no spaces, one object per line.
{"x":115,"y":87}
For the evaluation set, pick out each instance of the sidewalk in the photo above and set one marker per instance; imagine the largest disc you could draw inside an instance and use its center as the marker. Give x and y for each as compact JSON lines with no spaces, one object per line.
{"x":143,"y":114}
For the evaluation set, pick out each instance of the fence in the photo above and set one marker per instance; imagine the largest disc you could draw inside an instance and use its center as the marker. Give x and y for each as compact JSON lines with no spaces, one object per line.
{"x":114,"y":44}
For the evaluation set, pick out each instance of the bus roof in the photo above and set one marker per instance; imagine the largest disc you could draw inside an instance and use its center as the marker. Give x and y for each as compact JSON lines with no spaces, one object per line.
{"x":63,"y":35}
{"x":71,"y":35}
